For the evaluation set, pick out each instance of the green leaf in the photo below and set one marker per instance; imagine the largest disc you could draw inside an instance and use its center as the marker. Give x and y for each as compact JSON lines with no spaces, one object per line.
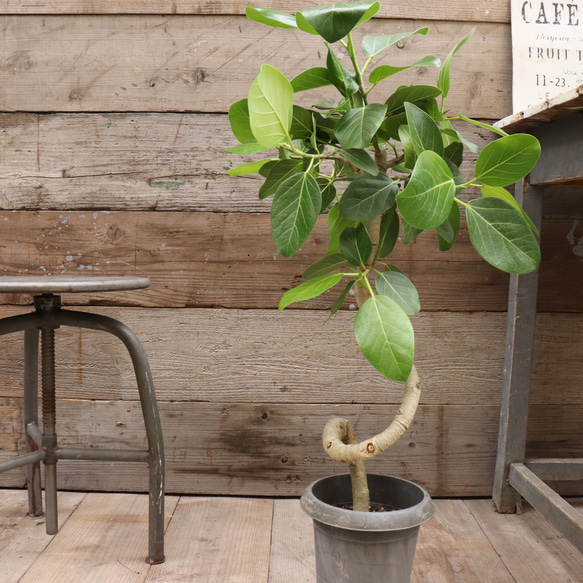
{"x":270,"y":107}
{"x":424,"y":132}
{"x":355,"y":245}
{"x":368,"y":196}
{"x":409,"y":232}
{"x":239,"y":120}
{"x":327,"y":265}
{"x":448,"y":230}
{"x":500,"y":192}
{"x":302,"y":123}
{"x":336,"y":225}
{"x":382,"y":72}
{"x":426,"y":200}
{"x":443,"y":78}
{"x":412,"y":94}
{"x":309,"y":289}
{"x":390,"y":127}
{"x":455,"y":153}
{"x":501,"y":236}
{"x":360,"y":159}
{"x":328,"y":190}
{"x":246,"y":149}
{"x":389,"y":233}
{"x":484,"y":125}
{"x":340,"y":76}
{"x":357,"y":126}
{"x":375,"y":45}
{"x":507,"y":159}
{"x":334,"y":22}
{"x":385,"y":335}
{"x":338,"y":303}
{"x":409,"y":153}
{"x":311,"y":79}
{"x":248,"y":168}
{"x":400,"y":289}
{"x":294,"y":211}
{"x":270,"y":17}
{"x":278,"y":173}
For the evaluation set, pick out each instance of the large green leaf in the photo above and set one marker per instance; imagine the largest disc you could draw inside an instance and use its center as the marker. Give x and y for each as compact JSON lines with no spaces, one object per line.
{"x":355,"y":245}
{"x":443,"y":78}
{"x":336,"y":225}
{"x":309,"y":289}
{"x":368,"y":196}
{"x":423,"y":131}
{"x":400,"y":289}
{"x":360,"y":159}
{"x":270,"y":107}
{"x":385,"y":335}
{"x":239,"y":120}
{"x":375,"y":45}
{"x":340,"y":76}
{"x":426,"y":200}
{"x":384,"y":71}
{"x":334,"y":22}
{"x":248,"y":168}
{"x":502,"y":193}
{"x":507,"y":159}
{"x":294,"y":211}
{"x":357,"y":126}
{"x":278,"y":173}
{"x":501,"y":236}
{"x":389,"y":233}
{"x":271,"y":17}
{"x":311,"y":79}
{"x":326,"y":265}
{"x":412,"y":94}
{"x":302,"y":125}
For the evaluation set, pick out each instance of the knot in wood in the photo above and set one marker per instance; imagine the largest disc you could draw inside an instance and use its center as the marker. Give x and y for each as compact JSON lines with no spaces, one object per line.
{"x":370,"y":448}
{"x":329,"y":445}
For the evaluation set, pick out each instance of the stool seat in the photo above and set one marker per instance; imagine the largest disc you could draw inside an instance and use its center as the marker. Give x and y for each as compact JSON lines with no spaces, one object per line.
{"x":41,"y":446}
{"x":46,"y":284}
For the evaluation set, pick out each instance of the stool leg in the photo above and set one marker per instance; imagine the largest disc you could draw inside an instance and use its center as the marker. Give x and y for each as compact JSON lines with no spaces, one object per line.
{"x":35,"y":503}
{"x":49,"y":423}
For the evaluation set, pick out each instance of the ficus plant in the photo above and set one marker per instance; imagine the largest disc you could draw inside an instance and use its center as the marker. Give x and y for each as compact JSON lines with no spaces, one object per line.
{"x":382,"y":168}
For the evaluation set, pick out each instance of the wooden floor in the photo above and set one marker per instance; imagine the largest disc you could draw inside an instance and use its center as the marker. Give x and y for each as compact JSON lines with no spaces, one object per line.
{"x":103,"y":539}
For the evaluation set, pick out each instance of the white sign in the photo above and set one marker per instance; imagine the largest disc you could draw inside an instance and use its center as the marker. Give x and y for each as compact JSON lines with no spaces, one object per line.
{"x":547,"y":49}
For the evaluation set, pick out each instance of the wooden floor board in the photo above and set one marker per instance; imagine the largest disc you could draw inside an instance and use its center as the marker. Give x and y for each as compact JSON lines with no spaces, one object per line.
{"x":103,"y":538}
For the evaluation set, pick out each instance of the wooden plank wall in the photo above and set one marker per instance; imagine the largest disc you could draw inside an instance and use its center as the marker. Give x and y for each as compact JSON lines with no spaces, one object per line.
{"x":112,"y":130}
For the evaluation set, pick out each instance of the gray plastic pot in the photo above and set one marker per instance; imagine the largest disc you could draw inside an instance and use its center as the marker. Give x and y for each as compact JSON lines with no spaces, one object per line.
{"x":366,"y":547}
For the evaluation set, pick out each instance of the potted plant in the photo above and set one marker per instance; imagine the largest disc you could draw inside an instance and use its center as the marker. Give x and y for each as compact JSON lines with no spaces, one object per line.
{"x":377,"y":167}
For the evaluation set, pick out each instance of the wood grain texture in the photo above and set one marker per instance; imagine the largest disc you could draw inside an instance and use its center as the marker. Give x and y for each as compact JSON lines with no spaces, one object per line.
{"x":23,"y":539}
{"x":254,"y":356}
{"x":218,"y":539}
{"x":148,"y":161}
{"x":182,"y":63}
{"x":273,"y":449}
{"x":481,"y":11}
{"x":229,"y":260}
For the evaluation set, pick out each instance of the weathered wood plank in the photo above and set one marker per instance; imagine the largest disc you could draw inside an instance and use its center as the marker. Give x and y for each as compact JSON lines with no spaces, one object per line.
{"x":527,"y":544}
{"x":106,"y":539}
{"x":23,"y":539}
{"x":255,"y":356}
{"x":132,"y":162}
{"x":229,"y":260}
{"x":218,"y":539}
{"x":292,"y":545}
{"x":182,"y":63}
{"x":453,"y":548}
{"x":481,"y":11}
{"x":275,"y":449}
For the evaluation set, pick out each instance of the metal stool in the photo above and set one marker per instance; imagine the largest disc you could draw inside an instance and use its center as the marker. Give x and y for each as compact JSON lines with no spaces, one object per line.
{"x":42,"y":446}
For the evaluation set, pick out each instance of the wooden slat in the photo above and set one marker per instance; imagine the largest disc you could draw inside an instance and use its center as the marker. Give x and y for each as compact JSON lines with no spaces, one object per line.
{"x":123,"y":161}
{"x":106,"y":539}
{"x":480,"y":11}
{"x":530,"y":548}
{"x":218,"y":539}
{"x":23,"y":539}
{"x":229,"y":260}
{"x":553,"y":469}
{"x":453,"y":548}
{"x":159,"y":63}
{"x":253,"y":356}
{"x":292,"y":545}
{"x":275,"y":449}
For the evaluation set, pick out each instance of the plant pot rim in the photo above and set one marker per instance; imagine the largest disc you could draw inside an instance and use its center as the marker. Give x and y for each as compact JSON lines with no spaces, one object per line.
{"x":402,"y":519}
